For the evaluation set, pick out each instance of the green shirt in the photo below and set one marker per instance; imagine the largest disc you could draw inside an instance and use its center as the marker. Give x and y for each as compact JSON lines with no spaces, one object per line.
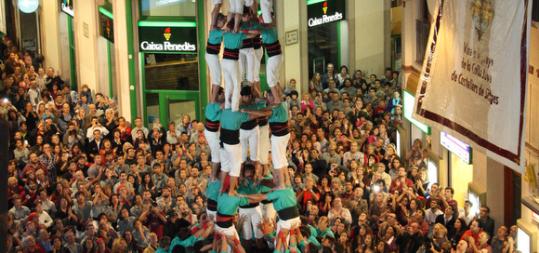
{"x":213,"y":111}
{"x":279,"y":113}
{"x":232,"y":120}
{"x":263,"y":188}
{"x":189,"y":242}
{"x":212,"y":190}
{"x":250,"y":26}
{"x":215,"y":36}
{"x":248,"y":187}
{"x":269,"y":35}
{"x":233,"y":40}
{"x":311,"y":240}
{"x":325,"y":233}
{"x":282,"y":198}
{"x":254,"y":106}
{"x":261,"y":104}
{"x":228,"y":205}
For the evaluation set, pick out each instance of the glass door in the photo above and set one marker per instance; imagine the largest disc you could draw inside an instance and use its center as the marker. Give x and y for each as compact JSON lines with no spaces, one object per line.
{"x":177,"y":106}
{"x":171,"y":87}
{"x":324,"y":46}
{"x":167,"y":106}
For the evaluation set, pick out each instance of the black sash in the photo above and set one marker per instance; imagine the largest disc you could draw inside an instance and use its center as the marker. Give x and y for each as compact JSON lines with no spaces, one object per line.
{"x":212,"y":126}
{"x":231,"y":54}
{"x":230,"y":137}
{"x":288,"y":213}
{"x":249,"y":124}
{"x":213,"y":48}
{"x":273,"y":49}
{"x":279,"y":129}
{"x":211,"y":205}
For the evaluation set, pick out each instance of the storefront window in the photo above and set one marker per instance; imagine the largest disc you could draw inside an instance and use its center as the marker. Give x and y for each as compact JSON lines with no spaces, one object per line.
{"x":325,"y":33}
{"x":171,"y":71}
{"x":168,"y":8}
{"x":323,"y":47}
{"x":152,"y":107}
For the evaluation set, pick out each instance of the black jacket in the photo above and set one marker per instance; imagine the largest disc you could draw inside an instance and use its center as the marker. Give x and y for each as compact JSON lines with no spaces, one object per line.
{"x":450,"y":224}
{"x":410,"y":242}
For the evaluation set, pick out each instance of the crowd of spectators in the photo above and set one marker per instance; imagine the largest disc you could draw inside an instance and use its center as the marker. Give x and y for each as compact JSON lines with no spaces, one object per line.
{"x":84,"y":179}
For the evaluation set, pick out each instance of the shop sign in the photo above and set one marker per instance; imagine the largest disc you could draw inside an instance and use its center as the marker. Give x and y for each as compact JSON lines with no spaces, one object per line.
{"x":325,"y":12}
{"x":457,"y":147}
{"x":168,"y":39}
{"x":106,"y":27}
{"x":408,"y":101}
{"x":67,"y":7}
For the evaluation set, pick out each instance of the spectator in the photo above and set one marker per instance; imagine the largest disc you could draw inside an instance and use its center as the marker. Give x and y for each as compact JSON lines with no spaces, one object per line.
{"x":109,"y":185}
{"x":486,"y":223}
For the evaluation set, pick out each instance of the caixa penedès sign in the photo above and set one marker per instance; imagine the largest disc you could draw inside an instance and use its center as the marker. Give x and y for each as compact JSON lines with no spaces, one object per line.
{"x":325,"y":12}
{"x":167,"y":39}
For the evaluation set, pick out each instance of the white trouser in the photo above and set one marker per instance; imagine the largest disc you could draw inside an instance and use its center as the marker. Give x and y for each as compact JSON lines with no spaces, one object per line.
{"x":247,"y":63}
{"x":236,"y":6}
{"x":249,"y":142}
{"x":230,"y":231}
{"x":231,"y":74}
{"x":217,"y":2}
{"x":263,"y":144}
{"x":211,"y":214}
{"x":268,"y":212}
{"x":231,"y":159}
{"x":259,"y":53}
{"x":249,"y":3}
{"x":213,"y":142}
{"x":251,"y":218}
{"x":273,"y":69}
{"x":278,"y":151}
{"x":266,"y":6}
{"x":287,"y":224}
{"x":215,"y":68}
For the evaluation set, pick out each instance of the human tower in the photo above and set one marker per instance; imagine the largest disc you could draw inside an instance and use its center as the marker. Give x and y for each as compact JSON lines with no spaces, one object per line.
{"x":242,"y":128}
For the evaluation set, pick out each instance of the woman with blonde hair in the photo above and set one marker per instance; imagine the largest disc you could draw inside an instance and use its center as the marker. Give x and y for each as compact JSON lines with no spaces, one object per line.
{"x":316,"y":83}
{"x":119,"y":246}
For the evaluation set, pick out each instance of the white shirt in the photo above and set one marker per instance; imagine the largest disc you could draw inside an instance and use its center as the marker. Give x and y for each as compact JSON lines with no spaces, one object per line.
{"x":343,"y":214}
{"x":134,"y":131}
{"x":468,"y":218}
{"x":387,"y":179}
{"x":430,"y":216}
{"x":90,"y":132}
{"x":45,"y":219}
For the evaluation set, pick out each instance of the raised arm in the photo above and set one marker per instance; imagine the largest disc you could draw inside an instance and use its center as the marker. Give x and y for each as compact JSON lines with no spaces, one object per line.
{"x":266,"y":112}
{"x":214,"y":13}
{"x":255,"y":198}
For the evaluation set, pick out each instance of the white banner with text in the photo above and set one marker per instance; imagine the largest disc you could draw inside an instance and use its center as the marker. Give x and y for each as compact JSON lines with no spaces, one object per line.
{"x":473,"y":81}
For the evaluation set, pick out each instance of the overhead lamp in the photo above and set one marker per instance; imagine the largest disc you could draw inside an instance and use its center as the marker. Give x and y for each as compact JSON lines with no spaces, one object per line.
{"x":28,"y":6}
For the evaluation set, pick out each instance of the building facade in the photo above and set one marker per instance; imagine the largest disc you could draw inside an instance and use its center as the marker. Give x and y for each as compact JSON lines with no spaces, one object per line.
{"x":149,"y":54}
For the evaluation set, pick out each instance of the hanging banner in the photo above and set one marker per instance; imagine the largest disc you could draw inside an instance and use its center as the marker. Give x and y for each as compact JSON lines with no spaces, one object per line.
{"x":473,"y":82}
{"x":106,"y":26}
{"x":67,"y":7}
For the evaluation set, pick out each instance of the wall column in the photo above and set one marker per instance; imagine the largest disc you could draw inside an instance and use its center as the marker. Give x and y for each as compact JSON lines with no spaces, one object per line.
{"x":122,"y":56}
{"x":371,"y":37}
{"x":495,"y":190}
{"x":86,"y":23}
{"x":292,"y":16}
{"x":50,"y":36}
